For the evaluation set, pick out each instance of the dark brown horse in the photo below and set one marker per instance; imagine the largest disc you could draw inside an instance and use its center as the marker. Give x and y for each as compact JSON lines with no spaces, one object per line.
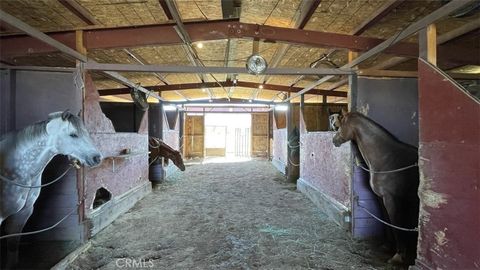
{"x":394,"y":177}
{"x":160,"y":149}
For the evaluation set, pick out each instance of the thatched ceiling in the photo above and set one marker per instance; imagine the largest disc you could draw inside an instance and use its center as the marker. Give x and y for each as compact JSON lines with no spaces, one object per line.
{"x":335,"y":16}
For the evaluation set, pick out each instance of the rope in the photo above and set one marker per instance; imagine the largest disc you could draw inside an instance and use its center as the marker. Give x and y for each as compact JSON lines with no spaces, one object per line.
{"x":157,"y":142}
{"x":42,"y":230}
{"x":294,"y":164}
{"x":153,"y":161}
{"x":386,"y":223}
{"x":390,"y":171}
{"x":293,"y":146}
{"x":3,"y":178}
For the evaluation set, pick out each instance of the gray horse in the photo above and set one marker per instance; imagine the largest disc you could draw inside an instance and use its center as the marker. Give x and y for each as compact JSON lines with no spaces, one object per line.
{"x":23,"y":157}
{"x":394,"y":177}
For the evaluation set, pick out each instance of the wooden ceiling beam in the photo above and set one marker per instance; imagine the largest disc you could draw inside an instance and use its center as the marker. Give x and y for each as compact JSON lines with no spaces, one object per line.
{"x":454,"y":34}
{"x":370,"y":21}
{"x":306,"y":11}
{"x":40,"y":37}
{"x":151,"y":35}
{"x":165,"y":9}
{"x":79,"y":11}
{"x":185,"y":86}
{"x":20,"y":45}
{"x":185,"y":36}
{"x":410,"y":30}
{"x":312,"y":6}
{"x":377,"y":16}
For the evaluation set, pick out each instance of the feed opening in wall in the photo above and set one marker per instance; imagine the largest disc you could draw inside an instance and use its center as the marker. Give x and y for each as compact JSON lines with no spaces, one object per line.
{"x":102,"y":196}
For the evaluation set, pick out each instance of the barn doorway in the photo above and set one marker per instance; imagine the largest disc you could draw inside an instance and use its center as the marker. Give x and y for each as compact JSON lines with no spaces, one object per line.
{"x":228,"y":136}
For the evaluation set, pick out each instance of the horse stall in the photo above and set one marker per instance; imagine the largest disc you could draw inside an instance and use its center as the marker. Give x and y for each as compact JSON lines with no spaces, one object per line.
{"x":329,"y":176}
{"x":279,"y":145}
{"x":392,"y":103}
{"x":167,"y":125}
{"x":99,"y":194}
{"x":325,"y":171}
{"x":26,"y":98}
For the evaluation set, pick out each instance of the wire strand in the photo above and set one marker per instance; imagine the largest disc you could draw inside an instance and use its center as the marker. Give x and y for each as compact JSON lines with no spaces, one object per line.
{"x":386,"y":223}
{"x":42,"y":230}
{"x":390,"y":171}
{"x":3,"y":178}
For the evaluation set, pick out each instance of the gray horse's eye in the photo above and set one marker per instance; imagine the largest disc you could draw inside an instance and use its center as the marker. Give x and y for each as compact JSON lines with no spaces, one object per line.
{"x":73,"y":135}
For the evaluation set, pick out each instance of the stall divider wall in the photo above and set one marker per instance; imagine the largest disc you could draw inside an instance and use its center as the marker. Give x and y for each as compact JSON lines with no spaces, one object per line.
{"x":449,"y":162}
{"x":392,"y":103}
{"x":123,"y":172}
{"x":325,"y":170}
{"x":279,"y":149}
{"x":28,"y":97}
{"x":171,"y":136}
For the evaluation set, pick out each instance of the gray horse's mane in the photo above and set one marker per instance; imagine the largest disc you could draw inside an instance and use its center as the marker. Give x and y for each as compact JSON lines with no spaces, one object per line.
{"x":39,"y":129}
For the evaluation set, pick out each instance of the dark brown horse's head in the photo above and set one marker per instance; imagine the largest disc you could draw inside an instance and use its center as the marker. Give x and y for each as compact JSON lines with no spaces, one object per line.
{"x":178,"y":161}
{"x":345,"y":130}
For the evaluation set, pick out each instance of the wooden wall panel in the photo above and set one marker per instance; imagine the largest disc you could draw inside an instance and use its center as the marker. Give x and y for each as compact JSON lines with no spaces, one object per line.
{"x":260,"y":135}
{"x":280,"y":119}
{"x":194,"y":139}
{"x":449,"y":173}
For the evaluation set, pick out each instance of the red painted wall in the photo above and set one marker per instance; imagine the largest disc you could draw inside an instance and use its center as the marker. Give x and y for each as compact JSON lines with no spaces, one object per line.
{"x":128,"y":173}
{"x":450,"y":173}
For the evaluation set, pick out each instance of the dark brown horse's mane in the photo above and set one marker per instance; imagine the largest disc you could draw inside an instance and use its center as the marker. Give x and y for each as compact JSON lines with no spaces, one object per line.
{"x":370,"y":121}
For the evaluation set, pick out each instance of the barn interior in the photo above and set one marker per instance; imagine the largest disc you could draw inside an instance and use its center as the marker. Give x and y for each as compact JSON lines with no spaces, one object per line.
{"x":178,"y":70}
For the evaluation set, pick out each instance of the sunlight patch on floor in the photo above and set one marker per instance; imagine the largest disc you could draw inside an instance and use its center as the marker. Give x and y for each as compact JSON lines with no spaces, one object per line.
{"x":225,"y":159}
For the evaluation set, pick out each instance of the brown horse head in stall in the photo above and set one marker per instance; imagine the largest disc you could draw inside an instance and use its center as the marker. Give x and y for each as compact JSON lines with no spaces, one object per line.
{"x":160,"y":149}
{"x":394,"y":177}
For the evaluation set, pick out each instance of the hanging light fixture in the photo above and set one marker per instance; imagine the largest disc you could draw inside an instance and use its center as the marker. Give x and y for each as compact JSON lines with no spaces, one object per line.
{"x":256,"y":64}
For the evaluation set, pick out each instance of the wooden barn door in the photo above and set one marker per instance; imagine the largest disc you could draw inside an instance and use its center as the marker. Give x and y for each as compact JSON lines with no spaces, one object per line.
{"x":194,"y":136}
{"x":260,"y":135}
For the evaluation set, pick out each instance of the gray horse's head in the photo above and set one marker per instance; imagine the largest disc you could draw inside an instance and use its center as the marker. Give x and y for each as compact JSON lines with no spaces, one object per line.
{"x":334,"y":121}
{"x":69,"y":137}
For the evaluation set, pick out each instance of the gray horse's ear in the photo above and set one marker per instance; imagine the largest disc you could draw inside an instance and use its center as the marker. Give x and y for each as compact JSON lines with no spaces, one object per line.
{"x":344,"y":112}
{"x":66,"y":115}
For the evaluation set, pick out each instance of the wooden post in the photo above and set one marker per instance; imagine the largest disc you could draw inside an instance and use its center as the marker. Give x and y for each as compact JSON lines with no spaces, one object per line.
{"x":352,"y":84}
{"x":181,"y":129}
{"x":302,"y":102}
{"x":293,"y":171}
{"x":155,"y":120}
{"x":270,"y":135}
{"x":7,"y":100}
{"x":81,"y":179}
{"x":428,"y":44}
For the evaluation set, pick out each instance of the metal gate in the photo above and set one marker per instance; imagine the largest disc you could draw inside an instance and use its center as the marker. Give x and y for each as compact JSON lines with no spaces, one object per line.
{"x":242,"y":142}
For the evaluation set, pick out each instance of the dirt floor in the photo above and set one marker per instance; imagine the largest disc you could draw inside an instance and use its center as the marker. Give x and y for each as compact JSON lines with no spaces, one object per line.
{"x":228,"y":216}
